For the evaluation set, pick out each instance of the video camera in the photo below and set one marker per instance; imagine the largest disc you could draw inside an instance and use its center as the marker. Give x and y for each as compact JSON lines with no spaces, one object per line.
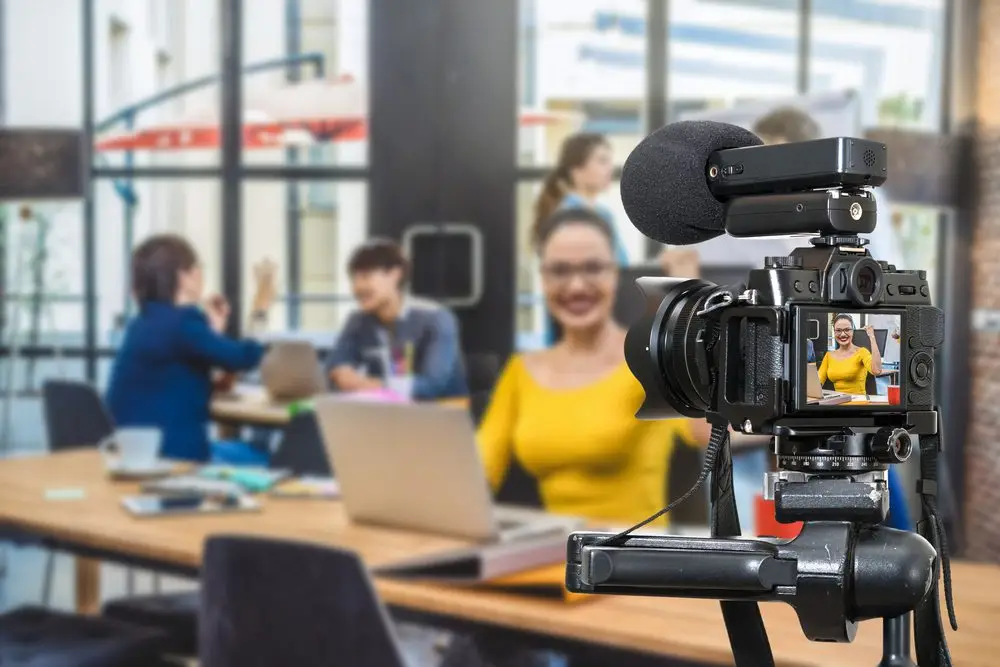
{"x":829,"y":351}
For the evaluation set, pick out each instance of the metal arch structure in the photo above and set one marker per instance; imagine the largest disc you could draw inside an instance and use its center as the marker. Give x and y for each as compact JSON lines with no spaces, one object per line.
{"x":124,"y":186}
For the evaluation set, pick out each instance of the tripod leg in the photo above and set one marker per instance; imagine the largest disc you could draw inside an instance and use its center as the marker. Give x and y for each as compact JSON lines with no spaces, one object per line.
{"x":896,"y":642}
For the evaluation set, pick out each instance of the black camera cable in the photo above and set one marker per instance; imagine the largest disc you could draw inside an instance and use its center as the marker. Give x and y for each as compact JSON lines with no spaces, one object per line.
{"x":744,"y":624}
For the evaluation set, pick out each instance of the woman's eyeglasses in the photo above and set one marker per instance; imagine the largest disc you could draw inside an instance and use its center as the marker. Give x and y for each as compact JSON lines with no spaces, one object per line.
{"x":562,"y":272}
{"x":843,"y":331}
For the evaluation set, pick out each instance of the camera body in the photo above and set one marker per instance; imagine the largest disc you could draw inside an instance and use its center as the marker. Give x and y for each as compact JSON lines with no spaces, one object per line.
{"x":761,"y":358}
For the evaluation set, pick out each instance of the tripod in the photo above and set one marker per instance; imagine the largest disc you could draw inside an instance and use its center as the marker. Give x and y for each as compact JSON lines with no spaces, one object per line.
{"x":896,"y":642}
{"x":843,"y":567}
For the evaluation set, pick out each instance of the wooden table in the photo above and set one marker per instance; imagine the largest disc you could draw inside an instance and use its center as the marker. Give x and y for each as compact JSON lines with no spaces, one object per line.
{"x":250,"y":405}
{"x":96,"y":527}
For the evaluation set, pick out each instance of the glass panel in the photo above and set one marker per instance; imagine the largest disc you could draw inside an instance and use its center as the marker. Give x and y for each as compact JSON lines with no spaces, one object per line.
{"x":332,"y":220}
{"x":890,"y":53}
{"x":156,"y":98}
{"x":42,"y":270}
{"x":42,"y":78}
{"x":128,"y":211}
{"x":310,"y":90}
{"x":582,"y":68}
{"x":723,"y":52}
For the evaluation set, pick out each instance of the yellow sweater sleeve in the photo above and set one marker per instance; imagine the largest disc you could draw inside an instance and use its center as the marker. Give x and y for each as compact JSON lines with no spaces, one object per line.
{"x":866,"y":361}
{"x":495,"y":436}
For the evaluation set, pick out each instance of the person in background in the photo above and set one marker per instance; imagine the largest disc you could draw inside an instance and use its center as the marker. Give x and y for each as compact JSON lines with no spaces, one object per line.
{"x":848,"y":366}
{"x":567,"y":413}
{"x":810,"y":351}
{"x":416,"y":337}
{"x":582,"y":174}
{"x":163,"y":372}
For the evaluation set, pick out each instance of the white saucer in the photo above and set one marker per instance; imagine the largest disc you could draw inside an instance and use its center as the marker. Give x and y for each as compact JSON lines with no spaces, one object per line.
{"x":158,"y":469}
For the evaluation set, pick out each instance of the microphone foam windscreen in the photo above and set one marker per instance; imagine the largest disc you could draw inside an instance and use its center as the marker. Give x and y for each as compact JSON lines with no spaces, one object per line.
{"x":664,"y":186}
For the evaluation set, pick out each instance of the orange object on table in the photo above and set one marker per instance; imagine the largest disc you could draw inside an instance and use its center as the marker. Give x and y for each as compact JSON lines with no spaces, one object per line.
{"x":767,"y":525}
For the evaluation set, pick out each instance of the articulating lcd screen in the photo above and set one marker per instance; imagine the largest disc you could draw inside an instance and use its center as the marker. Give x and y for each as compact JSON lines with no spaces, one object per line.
{"x":852,"y":359}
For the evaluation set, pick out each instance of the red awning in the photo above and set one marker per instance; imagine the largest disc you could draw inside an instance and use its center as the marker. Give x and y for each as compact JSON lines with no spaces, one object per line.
{"x":294,"y":114}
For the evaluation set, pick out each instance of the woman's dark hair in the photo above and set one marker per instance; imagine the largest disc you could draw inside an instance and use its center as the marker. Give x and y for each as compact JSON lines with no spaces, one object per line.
{"x":156,"y":263}
{"x":378,"y":253}
{"x":570,"y":216}
{"x":844,"y":316}
{"x":575,"y":151}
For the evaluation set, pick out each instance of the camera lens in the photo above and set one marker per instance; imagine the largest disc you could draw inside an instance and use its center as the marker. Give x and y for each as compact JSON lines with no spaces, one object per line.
{"x":663,"y":350}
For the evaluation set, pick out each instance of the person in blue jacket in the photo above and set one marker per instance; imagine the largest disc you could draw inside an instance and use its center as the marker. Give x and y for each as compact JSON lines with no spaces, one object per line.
{"x":163,"y":373}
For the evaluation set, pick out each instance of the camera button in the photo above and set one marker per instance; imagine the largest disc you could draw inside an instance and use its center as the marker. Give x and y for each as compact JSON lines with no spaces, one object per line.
{"x":924,"y":291}
{"x":890,"y":289}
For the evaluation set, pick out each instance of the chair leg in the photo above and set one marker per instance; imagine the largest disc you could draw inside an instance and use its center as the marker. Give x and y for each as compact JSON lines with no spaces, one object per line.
{"x":130,"y":581}
{"x":47,"y":581}
{"x":156,"y":584}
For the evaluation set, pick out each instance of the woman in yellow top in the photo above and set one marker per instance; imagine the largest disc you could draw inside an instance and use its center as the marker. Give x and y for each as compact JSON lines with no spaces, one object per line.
{"x":848,"y":366}
{"x":568,"y":413}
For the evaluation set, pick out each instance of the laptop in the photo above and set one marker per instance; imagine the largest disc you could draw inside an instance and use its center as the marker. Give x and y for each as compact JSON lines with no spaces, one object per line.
{"x":416,"y":466}
{"x":816,"y":395}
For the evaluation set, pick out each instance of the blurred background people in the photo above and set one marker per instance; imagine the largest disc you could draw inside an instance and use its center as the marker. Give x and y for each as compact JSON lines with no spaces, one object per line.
{"x":163,"y":373}
{"x":848,"y":366}
{"x":395,"y":334}
{"x":583,"y":172}
{"x":567,"y":413}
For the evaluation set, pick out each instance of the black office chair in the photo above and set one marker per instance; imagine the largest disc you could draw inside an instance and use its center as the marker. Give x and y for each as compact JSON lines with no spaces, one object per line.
{"x":301,"y":449}
{"x":269,"y":602}
{"x":481,"y":371}
{"x":75,"y":416}
{"x":31,"y":636}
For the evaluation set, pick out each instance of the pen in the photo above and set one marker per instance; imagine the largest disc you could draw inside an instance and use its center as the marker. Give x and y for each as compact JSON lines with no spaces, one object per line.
{"x":408,"y":359}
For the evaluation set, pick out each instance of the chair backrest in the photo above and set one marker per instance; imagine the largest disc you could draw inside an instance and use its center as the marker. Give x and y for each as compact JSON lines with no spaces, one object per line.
{"x":269,"y":602}
{"x":481,"y":371}
{"x":301,"y":449}
{"x":75,"y":415}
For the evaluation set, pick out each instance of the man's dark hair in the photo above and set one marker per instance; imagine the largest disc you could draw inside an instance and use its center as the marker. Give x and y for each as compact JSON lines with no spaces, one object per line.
{"x":156,"y":263}
{"x":378,"y":253}
{"x":790,"y":123}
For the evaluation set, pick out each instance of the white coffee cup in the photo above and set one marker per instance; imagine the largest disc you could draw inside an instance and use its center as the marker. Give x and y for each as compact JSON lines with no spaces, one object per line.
{"x":132,"y":448}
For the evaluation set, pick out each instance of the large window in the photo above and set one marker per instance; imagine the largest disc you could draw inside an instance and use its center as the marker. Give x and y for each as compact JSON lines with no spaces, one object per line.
{"x":582,"y":68}
{"x":891,"y":53}
{"x":308,"y":97}
{"x":311,"y":242}
{"x":721,"y":52}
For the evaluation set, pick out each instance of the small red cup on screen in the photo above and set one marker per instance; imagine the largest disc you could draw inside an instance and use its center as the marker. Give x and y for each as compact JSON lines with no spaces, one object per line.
{"x":893,"y":394}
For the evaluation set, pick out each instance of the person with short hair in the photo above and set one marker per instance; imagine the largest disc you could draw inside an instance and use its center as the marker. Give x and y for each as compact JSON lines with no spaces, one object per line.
{"x":163,"y":372}
{"x":416,"y":336}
